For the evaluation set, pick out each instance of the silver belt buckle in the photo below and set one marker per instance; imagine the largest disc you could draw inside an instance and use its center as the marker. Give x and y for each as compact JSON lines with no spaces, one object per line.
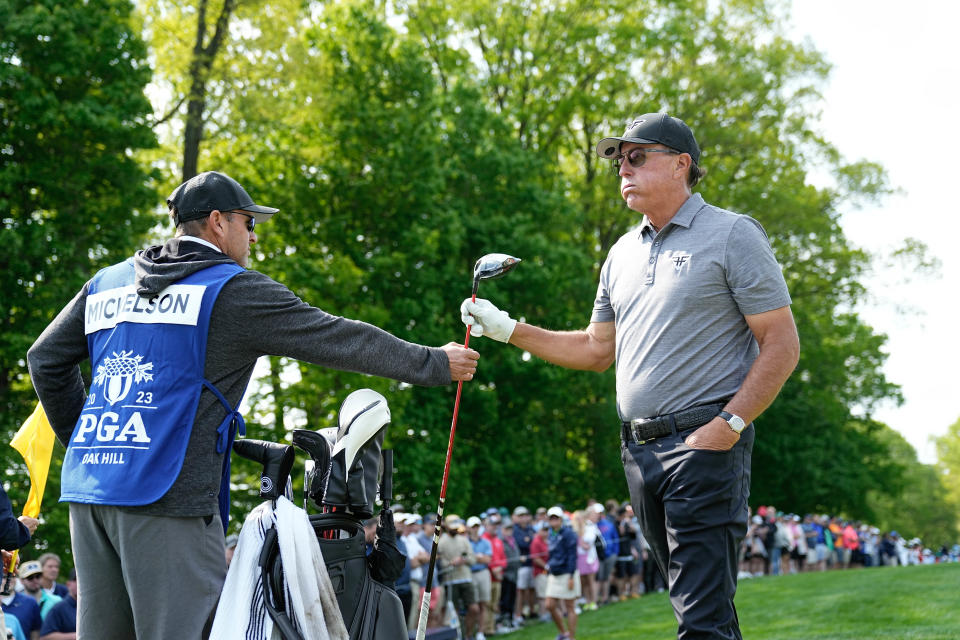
{"x":634,"y":430}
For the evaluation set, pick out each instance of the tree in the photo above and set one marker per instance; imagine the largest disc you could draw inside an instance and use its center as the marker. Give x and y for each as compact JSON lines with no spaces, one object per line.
{"x":73,"y":110}
{"x":199,"y":76}
{"x":948,"y":466}
{"x":390,"y":190}
{"x":922,"y":505}
{"x":205,"y":51}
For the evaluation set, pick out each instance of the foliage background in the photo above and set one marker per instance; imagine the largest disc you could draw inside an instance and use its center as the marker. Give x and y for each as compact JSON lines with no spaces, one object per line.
{"x":403,"y":140}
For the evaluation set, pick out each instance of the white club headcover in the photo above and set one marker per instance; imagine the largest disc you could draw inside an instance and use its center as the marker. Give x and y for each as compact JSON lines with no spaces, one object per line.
{"x":362,"y":415}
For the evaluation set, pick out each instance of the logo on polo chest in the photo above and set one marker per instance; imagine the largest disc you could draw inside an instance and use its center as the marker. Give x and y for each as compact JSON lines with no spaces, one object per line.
{"x":681,"y":261}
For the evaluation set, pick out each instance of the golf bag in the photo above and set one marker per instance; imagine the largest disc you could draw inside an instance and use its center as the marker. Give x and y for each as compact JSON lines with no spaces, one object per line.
{"x":341,"y":478}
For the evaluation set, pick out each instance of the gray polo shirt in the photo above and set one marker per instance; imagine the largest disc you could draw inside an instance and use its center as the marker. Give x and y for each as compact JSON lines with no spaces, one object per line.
{"x":678,"y":298}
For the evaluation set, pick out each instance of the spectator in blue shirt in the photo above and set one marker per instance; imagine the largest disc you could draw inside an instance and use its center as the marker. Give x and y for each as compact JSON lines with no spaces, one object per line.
{"x":479,"y":571}
{"x":27,"y":612}
{"x":61,"y":622}
{"x":563,"y":581}
{"x":607,"y":524}
{"x":523,"y":535}
{"x":13,"y":627}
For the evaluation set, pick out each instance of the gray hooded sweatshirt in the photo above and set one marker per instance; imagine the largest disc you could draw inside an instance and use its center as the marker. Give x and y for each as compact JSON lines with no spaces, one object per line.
{"x":253,"y":316}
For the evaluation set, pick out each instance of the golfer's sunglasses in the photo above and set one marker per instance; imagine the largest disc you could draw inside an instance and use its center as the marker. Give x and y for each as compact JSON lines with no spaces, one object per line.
{"x":637,"y":156}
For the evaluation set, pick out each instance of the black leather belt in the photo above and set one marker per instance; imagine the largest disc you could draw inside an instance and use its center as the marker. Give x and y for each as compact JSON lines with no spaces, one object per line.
{"x":642,"y":430}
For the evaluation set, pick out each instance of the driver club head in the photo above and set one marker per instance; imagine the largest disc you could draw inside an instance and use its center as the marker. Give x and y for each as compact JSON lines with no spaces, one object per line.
{"x":492,"y":265}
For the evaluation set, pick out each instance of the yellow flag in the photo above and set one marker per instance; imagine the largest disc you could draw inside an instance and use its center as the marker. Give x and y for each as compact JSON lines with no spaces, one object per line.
{"x":34,"y":441}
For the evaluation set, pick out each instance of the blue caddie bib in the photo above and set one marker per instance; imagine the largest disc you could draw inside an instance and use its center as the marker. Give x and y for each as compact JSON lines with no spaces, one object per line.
{"x":148,"y":357}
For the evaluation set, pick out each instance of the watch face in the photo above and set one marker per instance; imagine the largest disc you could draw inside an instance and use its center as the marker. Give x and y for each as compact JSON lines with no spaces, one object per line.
{"x":737,"y":423}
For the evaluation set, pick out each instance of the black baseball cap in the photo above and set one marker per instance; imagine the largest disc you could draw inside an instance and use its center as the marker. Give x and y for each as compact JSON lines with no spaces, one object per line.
{"x":210,"y":190}
{"x":653,"y":128}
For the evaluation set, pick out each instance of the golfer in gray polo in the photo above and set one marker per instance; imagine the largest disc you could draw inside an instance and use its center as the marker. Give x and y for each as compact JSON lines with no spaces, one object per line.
{"x":693,"y":308}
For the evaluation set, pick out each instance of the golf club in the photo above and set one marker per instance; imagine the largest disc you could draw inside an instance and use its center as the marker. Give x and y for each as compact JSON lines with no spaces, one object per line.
{"x":492,"y":265}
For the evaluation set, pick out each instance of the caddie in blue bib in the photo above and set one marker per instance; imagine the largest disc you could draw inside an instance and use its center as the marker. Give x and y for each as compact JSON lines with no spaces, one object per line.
{"x":148,"y":357}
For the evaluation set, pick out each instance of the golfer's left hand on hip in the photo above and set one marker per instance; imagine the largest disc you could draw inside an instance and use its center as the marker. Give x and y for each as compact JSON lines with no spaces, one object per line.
{"x":716,"y":435}
{"x":484,"y":319}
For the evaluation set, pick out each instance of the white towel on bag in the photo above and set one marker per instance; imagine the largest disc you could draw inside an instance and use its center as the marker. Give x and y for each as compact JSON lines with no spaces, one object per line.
{"x":309,"y":595}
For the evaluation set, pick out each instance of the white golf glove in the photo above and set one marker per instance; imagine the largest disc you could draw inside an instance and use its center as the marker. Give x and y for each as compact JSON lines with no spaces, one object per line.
{"x":484,"y":319}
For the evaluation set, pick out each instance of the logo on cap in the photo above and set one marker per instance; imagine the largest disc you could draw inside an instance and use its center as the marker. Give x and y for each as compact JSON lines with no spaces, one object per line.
{"x":31,"y":568}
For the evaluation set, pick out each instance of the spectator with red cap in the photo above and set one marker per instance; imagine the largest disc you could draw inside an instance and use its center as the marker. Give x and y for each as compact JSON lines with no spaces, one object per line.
{"x":540,"y":554}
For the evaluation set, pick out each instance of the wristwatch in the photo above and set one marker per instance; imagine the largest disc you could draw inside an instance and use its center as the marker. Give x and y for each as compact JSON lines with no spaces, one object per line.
{"x":736,"y":422}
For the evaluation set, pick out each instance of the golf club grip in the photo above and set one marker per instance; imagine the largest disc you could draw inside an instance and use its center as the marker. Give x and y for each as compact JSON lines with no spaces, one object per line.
{"x":466,"y":340}
{"x":424,"y":615}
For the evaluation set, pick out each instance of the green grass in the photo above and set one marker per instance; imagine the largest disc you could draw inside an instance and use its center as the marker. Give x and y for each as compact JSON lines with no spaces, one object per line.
{"x":889,"y":603}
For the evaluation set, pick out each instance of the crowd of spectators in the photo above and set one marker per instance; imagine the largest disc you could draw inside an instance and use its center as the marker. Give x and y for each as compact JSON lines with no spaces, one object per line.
{"x":778,"y":543}
{"x":500,"y":569}
{"x":38,"y":607}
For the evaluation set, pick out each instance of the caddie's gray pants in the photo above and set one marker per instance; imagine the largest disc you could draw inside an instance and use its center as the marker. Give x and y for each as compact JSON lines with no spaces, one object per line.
{"x":145,"y":577}
{"x":692,"y":510}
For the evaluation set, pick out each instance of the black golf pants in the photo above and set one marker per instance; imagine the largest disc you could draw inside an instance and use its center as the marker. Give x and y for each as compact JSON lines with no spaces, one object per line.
{"x":692,"y":509}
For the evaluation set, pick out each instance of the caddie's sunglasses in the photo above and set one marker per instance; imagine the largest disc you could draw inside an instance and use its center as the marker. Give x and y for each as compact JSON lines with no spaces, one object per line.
{"x":251,"y":221}
{"x":637,"y":156}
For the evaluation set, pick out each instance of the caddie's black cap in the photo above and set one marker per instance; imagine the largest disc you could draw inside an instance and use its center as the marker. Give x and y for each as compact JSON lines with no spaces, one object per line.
{"x":653,"y":128}
{"x":211,"y":190}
